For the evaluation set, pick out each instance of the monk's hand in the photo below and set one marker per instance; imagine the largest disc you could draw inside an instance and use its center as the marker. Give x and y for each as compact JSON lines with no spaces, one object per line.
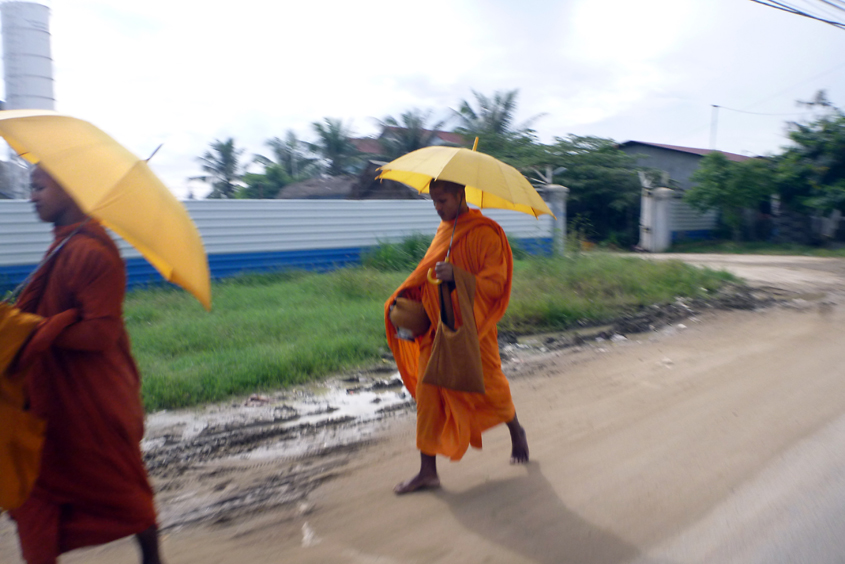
{"x":444,"y":271}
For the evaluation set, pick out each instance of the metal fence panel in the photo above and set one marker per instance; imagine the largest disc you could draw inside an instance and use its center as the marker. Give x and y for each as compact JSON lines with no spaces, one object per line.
{"x":240,"y":234}
{"x":686,"y":219}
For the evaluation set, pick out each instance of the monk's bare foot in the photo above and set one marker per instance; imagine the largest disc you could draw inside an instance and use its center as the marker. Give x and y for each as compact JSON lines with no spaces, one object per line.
{"x":417,"y":483}
{"x":519,"y":453}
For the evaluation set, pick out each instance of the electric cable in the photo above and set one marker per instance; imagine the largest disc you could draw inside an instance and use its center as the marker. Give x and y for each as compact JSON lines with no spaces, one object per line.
{"x":793,"y":10}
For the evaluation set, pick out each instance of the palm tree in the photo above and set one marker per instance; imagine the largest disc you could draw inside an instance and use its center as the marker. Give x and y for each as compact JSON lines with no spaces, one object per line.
{"x":335,"y":146}
{"x":224,"y":170}
{"x":409,"y":133}
{"x":291,"y":155}
{"x":492,"y":116}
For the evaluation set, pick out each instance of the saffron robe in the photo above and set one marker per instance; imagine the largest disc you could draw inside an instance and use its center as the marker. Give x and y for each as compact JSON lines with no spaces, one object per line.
{"x":449,"y":422}
{"x":81,"y":378}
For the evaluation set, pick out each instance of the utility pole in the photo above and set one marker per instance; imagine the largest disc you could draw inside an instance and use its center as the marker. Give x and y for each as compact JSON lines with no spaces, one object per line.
{"x":714,"y":120}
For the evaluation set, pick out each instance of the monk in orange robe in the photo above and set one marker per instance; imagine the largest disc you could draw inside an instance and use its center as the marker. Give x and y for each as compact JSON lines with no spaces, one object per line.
{"x":82,"y":380}
{"x":449,"y":422}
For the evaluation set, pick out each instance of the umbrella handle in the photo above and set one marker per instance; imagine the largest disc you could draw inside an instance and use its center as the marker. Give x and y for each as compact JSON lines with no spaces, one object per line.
{"x":430,"y":274}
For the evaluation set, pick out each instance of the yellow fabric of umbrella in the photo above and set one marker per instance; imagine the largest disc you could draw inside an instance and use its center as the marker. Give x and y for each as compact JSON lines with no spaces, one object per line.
{"x":111,"y":184}
{"x":489,"y":182}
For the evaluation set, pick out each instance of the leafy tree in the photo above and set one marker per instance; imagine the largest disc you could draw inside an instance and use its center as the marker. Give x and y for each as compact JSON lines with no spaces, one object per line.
{"x":223,"y":168}
{"x":266,"y":185}
{"x":408,"y":133}
{"x":811,"y":173}
{"x":290,"y":162}
{"x":334,"y":145}
{"x":604,"y":190}
{"x":730,"y":187}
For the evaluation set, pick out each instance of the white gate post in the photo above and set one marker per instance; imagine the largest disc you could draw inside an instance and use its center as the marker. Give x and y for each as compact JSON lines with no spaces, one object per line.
{"x":647,"y":220}
{"x":662,"y":235}
{"x":557,"y":195}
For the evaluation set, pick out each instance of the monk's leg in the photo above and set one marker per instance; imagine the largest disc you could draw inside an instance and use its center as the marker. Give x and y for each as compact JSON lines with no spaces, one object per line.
{"x":426,"y":479}
{"x":519,"y":451}
{"x":148,"y":541}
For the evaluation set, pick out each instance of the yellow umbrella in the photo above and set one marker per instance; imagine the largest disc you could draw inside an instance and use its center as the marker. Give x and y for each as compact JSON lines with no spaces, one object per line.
{"x":489,"y":182}
{"x":110,"y":183}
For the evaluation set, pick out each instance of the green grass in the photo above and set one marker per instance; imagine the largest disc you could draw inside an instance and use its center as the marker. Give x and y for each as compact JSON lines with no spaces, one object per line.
{"x":264,"y":332}
{"x":756,"y":248}
{"x":591,"y":288}
{"x":402,"y":256}
{"x":272,"y":331}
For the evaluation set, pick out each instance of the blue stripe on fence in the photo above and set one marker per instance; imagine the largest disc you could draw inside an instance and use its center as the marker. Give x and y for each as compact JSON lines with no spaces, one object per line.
{"x":139,"y":272}
{"x":696,"y":234}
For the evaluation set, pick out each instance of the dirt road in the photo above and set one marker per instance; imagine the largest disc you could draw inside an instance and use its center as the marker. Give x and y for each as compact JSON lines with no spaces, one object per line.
{"x":717,"y":439}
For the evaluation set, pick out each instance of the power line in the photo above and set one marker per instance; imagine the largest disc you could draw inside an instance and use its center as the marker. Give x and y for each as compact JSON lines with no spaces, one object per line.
{"x":766,"y":99}
{"x":829,"y":3}
{"x":820,"y":10}
{"x":790,"y":87}
{"x":757,"y":113}
{"x":793,"y":10}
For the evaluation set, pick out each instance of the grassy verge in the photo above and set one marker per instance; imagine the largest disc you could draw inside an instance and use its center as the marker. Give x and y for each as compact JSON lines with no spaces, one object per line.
{"x":591,"y":288}
{"x":756,"y":248}
{"x":271,"y":331}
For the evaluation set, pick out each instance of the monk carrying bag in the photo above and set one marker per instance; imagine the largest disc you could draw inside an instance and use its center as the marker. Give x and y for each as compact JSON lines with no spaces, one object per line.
{"x":21,"y":432}
{"x":455,"y":361}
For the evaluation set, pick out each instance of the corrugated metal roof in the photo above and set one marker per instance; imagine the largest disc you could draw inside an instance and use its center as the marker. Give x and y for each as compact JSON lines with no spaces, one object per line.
{"x":320,"y":187}
{"x":367,"y":145}
{"x":701,"y":152}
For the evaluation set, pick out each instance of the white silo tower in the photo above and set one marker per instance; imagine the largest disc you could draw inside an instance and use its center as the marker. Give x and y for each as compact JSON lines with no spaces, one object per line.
{"x":27,"y":64}
{"x":28,"y":77}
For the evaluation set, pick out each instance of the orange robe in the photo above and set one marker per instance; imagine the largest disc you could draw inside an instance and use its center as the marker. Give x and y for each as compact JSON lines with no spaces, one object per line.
{"x":448,"y":422}
{"x":81,"y":378}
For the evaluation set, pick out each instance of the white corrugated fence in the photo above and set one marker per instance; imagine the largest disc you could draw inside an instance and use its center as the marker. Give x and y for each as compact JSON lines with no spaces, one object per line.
{"x":246,"y":235}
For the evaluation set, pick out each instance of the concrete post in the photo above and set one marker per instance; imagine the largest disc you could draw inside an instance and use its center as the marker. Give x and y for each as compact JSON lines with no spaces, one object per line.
{"x":662,"y":236}
{"x":556,"y":197}
{"x":656,"y":219}
{"x":647,"y":220}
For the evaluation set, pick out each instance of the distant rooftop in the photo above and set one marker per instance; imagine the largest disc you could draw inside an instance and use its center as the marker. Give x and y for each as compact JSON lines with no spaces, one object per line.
{"x":372,"y":146}
{"x":701,"y":152}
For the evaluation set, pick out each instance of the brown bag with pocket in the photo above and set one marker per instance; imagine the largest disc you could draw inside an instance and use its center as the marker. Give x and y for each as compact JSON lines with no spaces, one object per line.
{"x":21,"y":432}
{"x":455,"y":361}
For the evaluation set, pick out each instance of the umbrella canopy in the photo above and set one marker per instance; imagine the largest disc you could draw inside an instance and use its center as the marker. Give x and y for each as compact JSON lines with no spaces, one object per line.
{"x":15,"y":329}
{"x":111,"y":184}
{"x":489,"y":182}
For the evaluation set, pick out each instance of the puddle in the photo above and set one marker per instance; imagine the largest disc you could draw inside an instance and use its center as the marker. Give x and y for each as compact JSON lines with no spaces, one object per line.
{"x":218,"y":463}
{"x":284,"y":424}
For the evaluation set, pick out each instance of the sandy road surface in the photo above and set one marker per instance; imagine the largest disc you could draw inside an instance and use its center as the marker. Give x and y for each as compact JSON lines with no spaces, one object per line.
{"x":719,"y":439}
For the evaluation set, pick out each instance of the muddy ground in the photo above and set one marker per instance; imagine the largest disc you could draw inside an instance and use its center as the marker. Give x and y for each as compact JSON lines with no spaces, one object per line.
{"x":306,"y":474}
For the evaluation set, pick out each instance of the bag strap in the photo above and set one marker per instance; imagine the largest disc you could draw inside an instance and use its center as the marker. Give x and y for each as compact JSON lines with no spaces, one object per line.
{"x":447,"y":313}
{"x":466,"y":298}
{"x":13,"y":295}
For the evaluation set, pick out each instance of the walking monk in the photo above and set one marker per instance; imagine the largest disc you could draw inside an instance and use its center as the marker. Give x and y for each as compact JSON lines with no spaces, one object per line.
{"x":81,"y":379}
{"x":448,"y":422}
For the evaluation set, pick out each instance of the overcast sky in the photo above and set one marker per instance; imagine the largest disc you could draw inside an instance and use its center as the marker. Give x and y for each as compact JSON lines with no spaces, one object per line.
{"x":184,"y":72}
